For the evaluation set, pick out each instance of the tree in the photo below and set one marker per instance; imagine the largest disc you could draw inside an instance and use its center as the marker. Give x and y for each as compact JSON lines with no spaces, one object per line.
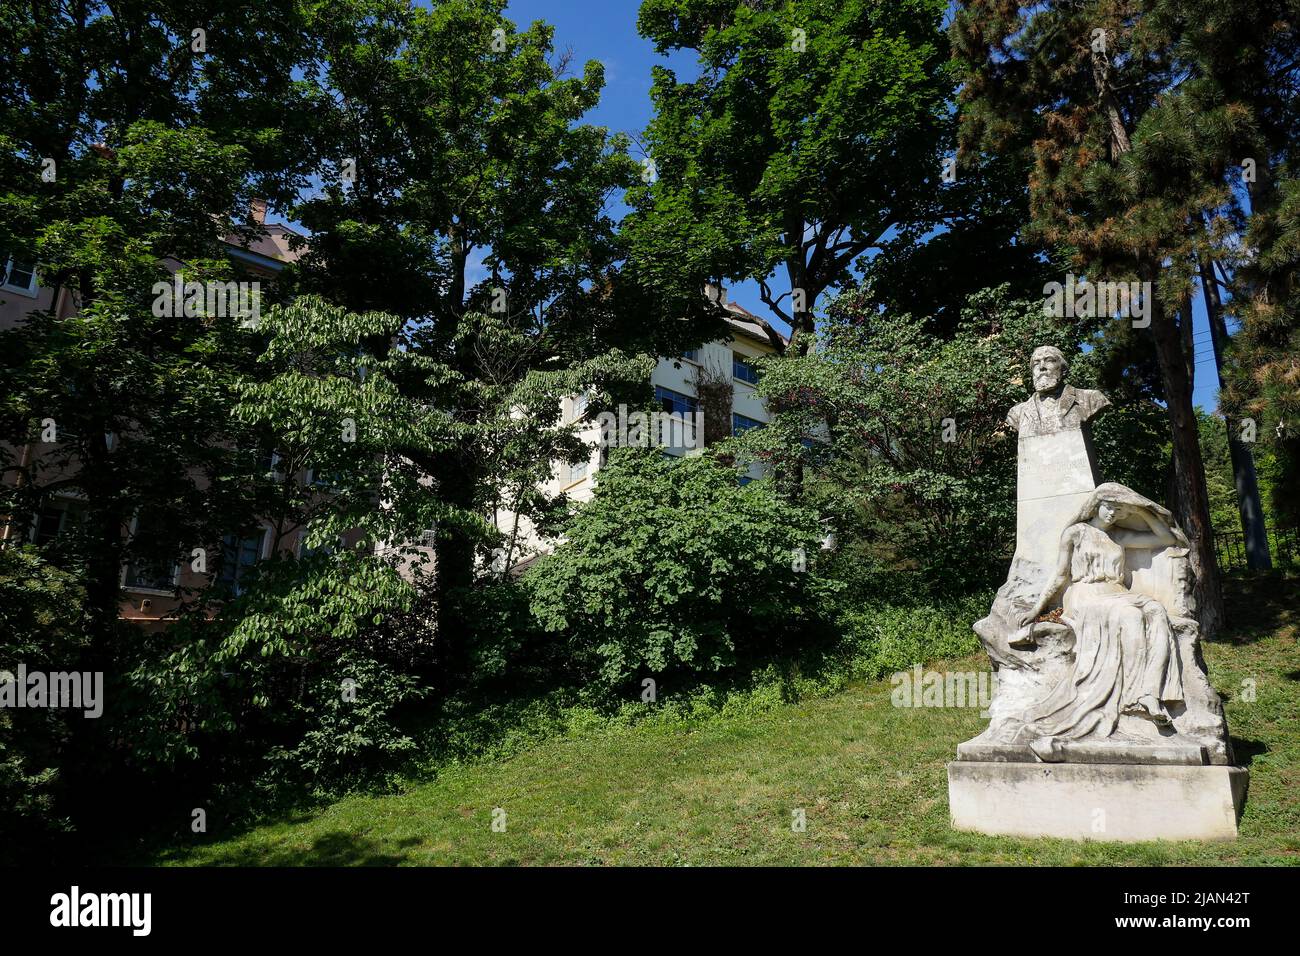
{"x":911,"y":455}
{"x":42,"y":627}
{"x":1096,"y":94}
{"x":132,"y":135}
{"x":813,"y":134}
{"x":463,"y":195}
{"x":1249,"y":508}
{"x":268,"y":672}
{"x":1247,"y":51}
{"x":1239,"y":60}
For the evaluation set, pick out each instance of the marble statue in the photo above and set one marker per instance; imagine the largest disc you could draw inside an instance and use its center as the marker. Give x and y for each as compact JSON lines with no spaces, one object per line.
{"x":1054,"y":406}
{"x":1095,"y":644}
{"x":1125,"y":656}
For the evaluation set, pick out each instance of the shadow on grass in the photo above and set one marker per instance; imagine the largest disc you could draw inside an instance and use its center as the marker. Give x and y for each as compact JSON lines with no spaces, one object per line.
{"x":1244,"y":752}
{"x":1258,"y":604}
{"x":330,"y":849}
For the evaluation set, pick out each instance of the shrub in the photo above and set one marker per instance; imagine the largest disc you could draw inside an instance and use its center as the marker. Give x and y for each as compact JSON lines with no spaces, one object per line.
{"x":350,"y":728}
{"x":261,"y":690}
{"x":674,"y":567}
{"x":886,"y":638}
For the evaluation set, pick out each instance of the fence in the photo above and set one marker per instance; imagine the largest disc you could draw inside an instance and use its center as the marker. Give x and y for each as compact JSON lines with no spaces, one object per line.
{"x":1283,"y":545}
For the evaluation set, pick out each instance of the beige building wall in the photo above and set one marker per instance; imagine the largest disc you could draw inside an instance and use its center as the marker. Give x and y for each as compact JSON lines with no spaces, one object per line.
{"x":746,"y":342}
{"x":150,"y":607}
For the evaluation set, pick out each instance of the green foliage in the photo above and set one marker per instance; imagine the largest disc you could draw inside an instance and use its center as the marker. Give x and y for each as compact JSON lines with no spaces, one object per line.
{"x":1260,"y":378}
{"x":263,"y":682}
{"x":42,"y":626}
{"x":671,"y":567}
{"x":1224,"y":509}
{"x":1218,"y":474}
{"x":350,"y":713}
{"x":467,"y":144}
{"x":909,"y":452}
{"x":252,"y":683}
{"x":812,"y":133}
{"x":156,"y":151}
{"x":881,"y":639}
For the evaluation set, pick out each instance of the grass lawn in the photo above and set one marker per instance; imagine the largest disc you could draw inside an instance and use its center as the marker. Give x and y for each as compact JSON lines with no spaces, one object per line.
{"x":869,"y":777}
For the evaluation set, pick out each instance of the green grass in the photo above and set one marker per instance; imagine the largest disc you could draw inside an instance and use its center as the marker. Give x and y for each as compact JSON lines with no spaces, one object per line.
{"x":869,"y":777}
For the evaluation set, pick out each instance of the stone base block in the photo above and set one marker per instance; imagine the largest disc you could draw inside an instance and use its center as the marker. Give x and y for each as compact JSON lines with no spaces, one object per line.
{"x":1081,"y":801}
{"x":1088,"y":751}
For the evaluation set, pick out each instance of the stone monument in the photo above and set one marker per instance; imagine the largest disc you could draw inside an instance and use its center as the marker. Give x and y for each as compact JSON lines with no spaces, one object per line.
{"x":1103,"y":724}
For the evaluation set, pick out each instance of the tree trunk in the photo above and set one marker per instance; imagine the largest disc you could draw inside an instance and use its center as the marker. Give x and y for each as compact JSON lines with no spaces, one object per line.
{"x":1191,"y":501}
{"x":1243,"y":459}
{"x":1191,"y":506}
{"x":454,"y":564}
{"x":803,"y":326}
{"x":455,"y":472}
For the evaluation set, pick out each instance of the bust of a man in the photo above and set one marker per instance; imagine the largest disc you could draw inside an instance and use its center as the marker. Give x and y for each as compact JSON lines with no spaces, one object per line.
{"x":1054,"y":406}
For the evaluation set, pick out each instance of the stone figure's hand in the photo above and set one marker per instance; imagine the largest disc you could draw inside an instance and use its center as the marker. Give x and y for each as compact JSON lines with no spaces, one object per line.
{"x":1026,"y":619}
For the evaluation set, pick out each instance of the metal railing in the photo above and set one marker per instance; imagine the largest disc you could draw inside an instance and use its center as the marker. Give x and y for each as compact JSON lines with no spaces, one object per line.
{"x":1283,"y":545}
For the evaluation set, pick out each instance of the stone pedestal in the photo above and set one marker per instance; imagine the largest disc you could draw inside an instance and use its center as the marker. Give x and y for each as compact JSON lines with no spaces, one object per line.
{"x":1091,"y":801}
{"x":1054,"y":476}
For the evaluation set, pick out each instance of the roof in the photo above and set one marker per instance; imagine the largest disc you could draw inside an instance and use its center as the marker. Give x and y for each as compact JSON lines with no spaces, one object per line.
{"x":272,"y":243}
{"x":745,"y":322}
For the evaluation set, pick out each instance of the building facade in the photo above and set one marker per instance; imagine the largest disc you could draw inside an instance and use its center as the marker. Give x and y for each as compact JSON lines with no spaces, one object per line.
{"x":151,"y":593}
{"x":723,"y":369}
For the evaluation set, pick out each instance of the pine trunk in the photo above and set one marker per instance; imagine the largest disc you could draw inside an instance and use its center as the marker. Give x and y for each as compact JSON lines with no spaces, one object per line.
{"x":1191,"y":505}
{"x":1243,"y":459}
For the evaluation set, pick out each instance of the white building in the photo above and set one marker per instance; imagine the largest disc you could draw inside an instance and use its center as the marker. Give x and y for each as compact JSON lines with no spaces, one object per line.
{"x":676,"y":387}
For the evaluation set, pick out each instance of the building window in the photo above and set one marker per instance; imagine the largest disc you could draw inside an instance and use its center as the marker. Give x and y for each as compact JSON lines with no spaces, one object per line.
{"x":743,"y":423}
{"x":54,"y":521}
{"x":315,"y":478}
{"x":239,"y":556}
{"x":268,"y":464}
{"x":675,"y":403}
{"x":692,"y":354}
{"x":742,"y":369}
{"x":150,"y":575}
{"x":20,"y":277}
{"x":575,"y":471}
{"x":578,"y":406}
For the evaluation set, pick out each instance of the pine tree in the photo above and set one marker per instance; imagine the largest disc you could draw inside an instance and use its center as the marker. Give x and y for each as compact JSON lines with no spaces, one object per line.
{"x":1247,"y":50}
{"x":1126,"y":147}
